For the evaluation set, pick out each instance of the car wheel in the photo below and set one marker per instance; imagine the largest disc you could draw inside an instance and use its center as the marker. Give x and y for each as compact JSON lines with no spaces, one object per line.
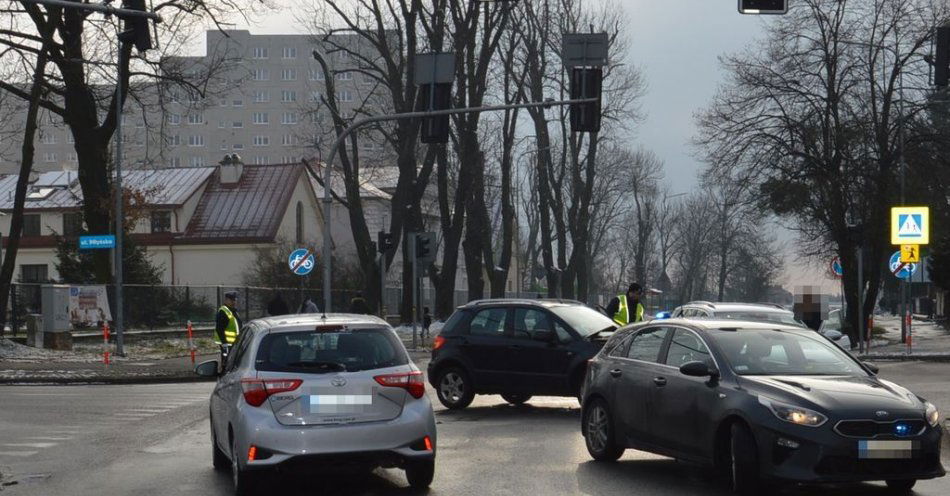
{"x":244,"y":480}
{"x":515,"y":398}
{"x":599,"y":432}
{"x":218,"y":459}
{"x":454,"y":389}
{"x":901,"y":486}
{"x":743,"y":461}
{"x":419,"y":473}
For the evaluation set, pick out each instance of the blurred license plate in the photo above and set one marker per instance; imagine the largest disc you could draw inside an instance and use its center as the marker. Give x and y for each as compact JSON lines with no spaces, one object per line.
{"x":339,"y":403}
{"x":886,"y":449}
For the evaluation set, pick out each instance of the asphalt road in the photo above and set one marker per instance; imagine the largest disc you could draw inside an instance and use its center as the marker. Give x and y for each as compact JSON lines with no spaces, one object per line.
{"x":153,"y":440}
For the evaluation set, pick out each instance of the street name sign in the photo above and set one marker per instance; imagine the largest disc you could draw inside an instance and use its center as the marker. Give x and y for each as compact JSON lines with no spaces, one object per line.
{"x":910,"y":253}
{"x":910,"y":225}
{"x":97,"y":242}
{"x":301,"y":261}
{"x":901,"y":270}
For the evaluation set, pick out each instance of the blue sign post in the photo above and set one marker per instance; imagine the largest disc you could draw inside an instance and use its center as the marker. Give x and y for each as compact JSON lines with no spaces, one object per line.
{"x":901,"y":270}
{"x":97,"y":242}
{"x":301,"y":261}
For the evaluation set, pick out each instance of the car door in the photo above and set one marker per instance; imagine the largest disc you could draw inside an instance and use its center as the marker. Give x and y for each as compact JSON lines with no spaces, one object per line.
{"x":228,"y":391}
{"x":632,"y":408}
{"x":682,"y":405}
{"x":486,"y":346}
{"x":539,"y":367}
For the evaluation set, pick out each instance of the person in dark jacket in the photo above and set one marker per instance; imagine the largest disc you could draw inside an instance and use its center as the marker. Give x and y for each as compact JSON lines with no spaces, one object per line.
{"x":426,"y":322}
{"x":277,"y":305}
{"x":358,"y":305}
{"x":308,"y":306}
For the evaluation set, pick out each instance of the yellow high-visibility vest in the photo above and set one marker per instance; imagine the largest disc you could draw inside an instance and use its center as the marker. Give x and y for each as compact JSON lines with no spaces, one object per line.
{"x":622,"y":316}
{"x":231,"y":331}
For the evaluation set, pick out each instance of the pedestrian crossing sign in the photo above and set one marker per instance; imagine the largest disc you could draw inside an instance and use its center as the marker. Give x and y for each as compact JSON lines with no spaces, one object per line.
{"x":910,"y":253}
{"x":910,"y":225}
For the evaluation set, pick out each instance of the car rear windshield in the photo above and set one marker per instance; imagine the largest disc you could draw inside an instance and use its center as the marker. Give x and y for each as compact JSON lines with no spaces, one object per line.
{"x":772,"y":352}
{"x":323,"y":351}
{"x":777,"y":317}
{"x":585,"y":320}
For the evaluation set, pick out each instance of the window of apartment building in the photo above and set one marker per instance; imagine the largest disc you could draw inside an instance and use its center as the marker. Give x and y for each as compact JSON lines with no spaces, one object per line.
{"x":237,"y":146}
{"x":260,"y":53}
{"x":34,"y":273}
{"x":314,"y":96}
{"x":345,"y":96}
{"x":49,"y":157}
{"x":197,"y":118}
{"x":48,"y":139}
{"x":237,"y":125}
{"x":173,"y":140}
{"x":260,"y":75}
{"x":196,"y":140}
{"x":72,"y":157}
{"x":261,"y":118}
{"x":72,"y":224}
{"x":288,"y":118}
{"x":31,"y":225}
{"x":224,"y":146}
{"x":344,"y":76}
{"x":161,"y":221}
{"x":222,"y":124}
{"x":69,"y":138}
{"x":261,"y":141}
{"x":176,"y":161}
{"x":288,"y":159}
{"x":261,"y":96}
{"x":174,"y":119}
{"x":288,"y":96}
{"x":289,"y":53}
{"x":288,"y":74}
{"x":367,"y":79}
{"x":237,"y":102}
{"x":316,"y":75}
{"x":197,"y":161}
{"x":287,"y":140}
{"x":261,"y":160}
{"x":193,"y":97}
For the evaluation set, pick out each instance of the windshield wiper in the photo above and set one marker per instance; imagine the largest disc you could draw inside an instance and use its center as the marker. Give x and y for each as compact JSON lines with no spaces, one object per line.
{"x":328,"y":366}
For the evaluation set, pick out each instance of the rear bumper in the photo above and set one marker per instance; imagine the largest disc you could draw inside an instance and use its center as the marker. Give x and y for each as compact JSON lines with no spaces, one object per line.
{"x":386,"y":443}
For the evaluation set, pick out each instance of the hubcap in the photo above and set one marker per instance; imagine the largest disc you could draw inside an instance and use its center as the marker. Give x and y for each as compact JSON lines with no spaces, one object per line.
{"x":597,"y":428}
{"x":452,"y":387}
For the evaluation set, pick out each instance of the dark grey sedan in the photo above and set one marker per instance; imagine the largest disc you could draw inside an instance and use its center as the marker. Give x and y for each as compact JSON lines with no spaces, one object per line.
{"x":760,"y":401}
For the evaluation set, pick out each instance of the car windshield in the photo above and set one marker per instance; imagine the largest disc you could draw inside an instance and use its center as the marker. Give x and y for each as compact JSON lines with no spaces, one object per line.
{"x":585,"y":320}
{"x":773,"y":352}
{"x":320,"y":351}
{"x":777,"y":317}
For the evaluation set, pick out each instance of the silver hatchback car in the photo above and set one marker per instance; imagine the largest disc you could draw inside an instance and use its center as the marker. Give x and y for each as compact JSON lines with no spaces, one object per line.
{"x":309,"y":392}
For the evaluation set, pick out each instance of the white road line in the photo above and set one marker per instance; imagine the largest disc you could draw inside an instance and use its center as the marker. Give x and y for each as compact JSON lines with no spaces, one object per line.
{"x":135,"y":415}
{"x":30,"y":445}
{"x":49,"y":438}
{"x":18,"y":453}
{"x":148,"y":410}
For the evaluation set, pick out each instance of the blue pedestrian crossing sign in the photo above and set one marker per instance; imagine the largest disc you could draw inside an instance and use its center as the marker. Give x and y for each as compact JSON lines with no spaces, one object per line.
{"x":901,"y":270}
{"x":301,"y":261}
{"x":910,"y":225}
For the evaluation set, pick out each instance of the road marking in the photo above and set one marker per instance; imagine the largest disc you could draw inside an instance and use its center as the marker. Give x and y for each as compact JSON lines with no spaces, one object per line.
{"x":49,"y":438}
{"x":135,"y":415}
{"x":30,"y":445}
{"x":18,"y":453}
{"x":149,"y":410}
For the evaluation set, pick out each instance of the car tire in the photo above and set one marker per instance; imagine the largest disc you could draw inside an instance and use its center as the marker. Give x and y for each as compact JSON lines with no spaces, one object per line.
{"x":218,"y":459}
{"x":516,"y":398}
{"x":454,"y":388}
{"x":420,"y":473}
{"x":743,"y":461}
{"x":599,"y":432}
{"x":245,"y":481}
{"x":901,"y":486}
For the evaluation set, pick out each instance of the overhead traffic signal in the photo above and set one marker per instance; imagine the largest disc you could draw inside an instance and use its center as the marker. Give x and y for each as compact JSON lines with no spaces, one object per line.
{"x":942,"y":56}
{"x":384,"y":241}
{"x":136,"y":28}
{"x":425,"y":248}
{"x":763,"y":6}
{"x":435,"y":129}
{"x":586,"y":82}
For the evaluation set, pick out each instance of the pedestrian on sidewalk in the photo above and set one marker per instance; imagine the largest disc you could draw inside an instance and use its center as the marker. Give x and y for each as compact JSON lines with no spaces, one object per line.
{"x":277,"y":305}
{"x":308,"y":306}
{"x":626,"y":308}
{"x":358,"y":305}
{"x":426,"y":322}
{"x":227,"y":324}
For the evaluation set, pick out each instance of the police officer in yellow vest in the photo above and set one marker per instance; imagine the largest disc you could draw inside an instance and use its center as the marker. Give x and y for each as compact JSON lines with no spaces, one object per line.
{"x":227,"y":324}
{"x":621,"y":307}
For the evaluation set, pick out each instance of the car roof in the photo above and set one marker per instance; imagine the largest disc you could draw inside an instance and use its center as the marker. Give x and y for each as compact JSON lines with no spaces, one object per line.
{"x":713,"y":323}
{"x":315,"y":319}
{"x":543,"y":302}
{"x":739,"y":307}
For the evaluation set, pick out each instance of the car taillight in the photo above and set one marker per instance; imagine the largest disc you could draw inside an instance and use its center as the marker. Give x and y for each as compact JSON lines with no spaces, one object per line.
{"x":437,"y":342}
{"x":256,"y":391}
{"x":410,"y":381}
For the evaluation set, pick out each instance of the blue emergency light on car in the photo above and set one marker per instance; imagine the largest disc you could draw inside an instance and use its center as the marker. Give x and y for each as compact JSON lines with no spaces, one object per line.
{"x":901,"y":429}
{"x":662,"y":315}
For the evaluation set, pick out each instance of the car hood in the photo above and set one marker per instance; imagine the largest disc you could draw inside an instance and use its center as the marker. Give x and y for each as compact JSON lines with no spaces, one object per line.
{"x":842,"y":395}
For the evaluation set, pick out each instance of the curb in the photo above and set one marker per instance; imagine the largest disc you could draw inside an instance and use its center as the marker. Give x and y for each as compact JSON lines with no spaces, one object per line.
{"x":115,"y":380}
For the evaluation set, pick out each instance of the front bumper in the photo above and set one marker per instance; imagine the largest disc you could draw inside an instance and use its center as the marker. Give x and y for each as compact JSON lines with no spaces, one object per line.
{"x":370,"y":444}
{"x":823,"y":455}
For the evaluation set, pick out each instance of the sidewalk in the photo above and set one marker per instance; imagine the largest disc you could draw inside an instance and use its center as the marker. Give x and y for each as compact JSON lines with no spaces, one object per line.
{"x":929,"y":341}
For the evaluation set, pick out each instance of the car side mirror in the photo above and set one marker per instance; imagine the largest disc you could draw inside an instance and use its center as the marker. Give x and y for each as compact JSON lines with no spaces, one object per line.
{"x":698,"y":369}
{"x":870,"y":366}
{"x":207,"y":369}
{"x":543,"y":335}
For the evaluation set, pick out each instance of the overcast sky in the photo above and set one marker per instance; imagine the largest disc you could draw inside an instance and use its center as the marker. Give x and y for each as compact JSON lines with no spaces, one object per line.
{"x":675,"y":43}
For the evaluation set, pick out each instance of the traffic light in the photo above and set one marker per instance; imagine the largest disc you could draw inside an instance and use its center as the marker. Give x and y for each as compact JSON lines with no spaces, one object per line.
{"x":384,"y":241}
{"x":763,"y":6}
{"x":586,"y":83}
{"x":136,"y":28}
{"x":942,"y":56}
{"x":425,"y":247}
{"x":435,"y":129}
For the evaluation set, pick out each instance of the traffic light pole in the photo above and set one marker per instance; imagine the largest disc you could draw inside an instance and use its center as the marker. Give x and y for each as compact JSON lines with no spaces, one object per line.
{"x":358,"y":123}
{"x":415,"y":282}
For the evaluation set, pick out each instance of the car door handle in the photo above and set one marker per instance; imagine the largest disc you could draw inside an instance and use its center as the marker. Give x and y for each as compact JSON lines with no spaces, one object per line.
{"x":616,"y":372}
{"x":659,"y":381}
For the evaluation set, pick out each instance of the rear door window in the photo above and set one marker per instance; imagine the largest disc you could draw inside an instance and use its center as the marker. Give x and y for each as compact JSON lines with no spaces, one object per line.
{"x":529,"y":320}
{"x":489,"y":322}
{"x":324,"y":351}
{"x":647,"y":344}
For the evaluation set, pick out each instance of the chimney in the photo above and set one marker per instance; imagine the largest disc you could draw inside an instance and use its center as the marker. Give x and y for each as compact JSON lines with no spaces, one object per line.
{"x":230,"y":169}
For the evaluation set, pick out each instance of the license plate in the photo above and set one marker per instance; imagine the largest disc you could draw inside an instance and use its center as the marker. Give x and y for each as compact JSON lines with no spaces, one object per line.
{"x":886,"y":449}
{"x":339,"y":403}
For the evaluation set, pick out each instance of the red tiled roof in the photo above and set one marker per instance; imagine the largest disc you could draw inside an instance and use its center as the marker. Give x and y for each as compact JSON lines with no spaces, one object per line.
{"x":250,"y":210}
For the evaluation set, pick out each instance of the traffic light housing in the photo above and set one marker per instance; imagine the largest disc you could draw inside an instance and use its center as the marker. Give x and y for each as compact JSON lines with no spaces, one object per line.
{"x":425,"y":248}
{"x":763,"y":6}
{"x":942,"y":56}
{"x":435,"y":129}
{"x":384,"y":241}
{"x":136,"y":28}
{"x":586,"y":82}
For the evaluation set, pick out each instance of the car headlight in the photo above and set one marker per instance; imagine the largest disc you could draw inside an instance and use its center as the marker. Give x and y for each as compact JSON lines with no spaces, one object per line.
{"x":794,"y":414}
{"x":932,"y":414}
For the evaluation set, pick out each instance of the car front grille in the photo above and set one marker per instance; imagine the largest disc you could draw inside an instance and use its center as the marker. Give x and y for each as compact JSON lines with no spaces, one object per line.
{"x":851,"y":466}
{"x":869,"y":429}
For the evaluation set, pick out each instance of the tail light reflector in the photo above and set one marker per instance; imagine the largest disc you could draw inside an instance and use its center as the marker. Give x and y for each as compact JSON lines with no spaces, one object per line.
{"x":428,"y":443}
{"x":437,"y":342}
{"x":256,"y":391}
{"x":252,"y":453}
{"x":410,"y":381}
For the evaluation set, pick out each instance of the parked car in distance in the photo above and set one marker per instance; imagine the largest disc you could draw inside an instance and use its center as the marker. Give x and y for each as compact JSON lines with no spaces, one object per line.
{"x":759,"y":401}
{"x":516,"y":348}
{"x":310,"y":392}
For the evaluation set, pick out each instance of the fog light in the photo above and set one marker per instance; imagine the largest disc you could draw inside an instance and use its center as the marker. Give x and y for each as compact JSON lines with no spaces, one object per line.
{"x":787,"y":443}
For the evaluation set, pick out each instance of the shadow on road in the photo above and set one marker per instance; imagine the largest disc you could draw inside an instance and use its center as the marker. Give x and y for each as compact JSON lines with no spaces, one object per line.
{"x":378,"y":482}
{"x":504,"y":411}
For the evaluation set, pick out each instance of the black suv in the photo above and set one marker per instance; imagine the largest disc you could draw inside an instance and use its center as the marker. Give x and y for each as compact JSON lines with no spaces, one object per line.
{"x":516,"y":348}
